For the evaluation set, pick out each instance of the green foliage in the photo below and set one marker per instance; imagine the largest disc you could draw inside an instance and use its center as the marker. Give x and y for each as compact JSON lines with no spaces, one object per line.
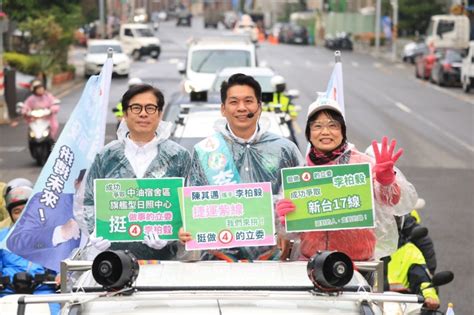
{"x":414,"y":16}
{"x":23,"y":63}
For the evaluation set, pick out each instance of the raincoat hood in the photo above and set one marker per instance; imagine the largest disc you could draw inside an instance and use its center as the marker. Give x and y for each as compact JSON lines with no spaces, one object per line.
{"x":163,"y":131}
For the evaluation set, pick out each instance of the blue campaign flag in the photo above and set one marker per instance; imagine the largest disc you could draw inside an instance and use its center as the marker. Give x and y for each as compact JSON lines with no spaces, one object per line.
{"x":47,"y":232}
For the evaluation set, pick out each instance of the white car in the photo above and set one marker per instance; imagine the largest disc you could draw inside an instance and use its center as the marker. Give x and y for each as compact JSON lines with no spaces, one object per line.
{"x":215,"y":287}
{"x":209,"y":55}
{"x":467,"y":69}
{"x":248,"y":27}
{"x":97,"y":54}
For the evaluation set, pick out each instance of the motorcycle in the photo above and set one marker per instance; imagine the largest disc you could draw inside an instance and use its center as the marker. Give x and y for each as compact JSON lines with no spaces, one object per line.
{"x":40,"y":141}
{"x":342,"y":41}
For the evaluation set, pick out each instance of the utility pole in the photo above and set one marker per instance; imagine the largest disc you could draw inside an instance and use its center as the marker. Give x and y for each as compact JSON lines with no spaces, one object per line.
{"x":102,"y":18}
{"x":394,"y":4}
{"x":3,"y":105}
{"x":378,"y":9}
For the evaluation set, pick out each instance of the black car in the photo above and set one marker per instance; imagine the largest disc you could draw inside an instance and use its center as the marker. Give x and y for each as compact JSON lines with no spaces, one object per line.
{"x":447,"y":67}
{"x":293,"y":34}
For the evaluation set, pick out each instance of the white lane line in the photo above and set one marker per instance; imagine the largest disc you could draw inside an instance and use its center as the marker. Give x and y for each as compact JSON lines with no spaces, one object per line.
{"x":286,"y":62}
{"x":403,"y":107}
{"x":355,"y":64}
{"x":173,"y":61}
{"x":12,"y":149}
{"x":431,"y":124}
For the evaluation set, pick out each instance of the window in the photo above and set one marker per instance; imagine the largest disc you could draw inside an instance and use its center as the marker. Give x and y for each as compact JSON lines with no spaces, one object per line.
{"x":128,"y":32}
{"x":102,"y":49}
{"x":445,"y":27}
{"x":211,"y":61}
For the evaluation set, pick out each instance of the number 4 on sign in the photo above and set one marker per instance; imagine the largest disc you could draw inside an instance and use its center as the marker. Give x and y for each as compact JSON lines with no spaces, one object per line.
{"x":225,"y":236}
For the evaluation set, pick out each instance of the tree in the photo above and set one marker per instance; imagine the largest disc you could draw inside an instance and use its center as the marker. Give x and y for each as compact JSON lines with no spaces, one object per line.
{"x":414,"y":16}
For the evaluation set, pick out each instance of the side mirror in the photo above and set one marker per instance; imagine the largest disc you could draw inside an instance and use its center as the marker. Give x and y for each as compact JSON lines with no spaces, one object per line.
{"x":181,"y":68}
{"x":442,"y":278}
{"x":293,"y":93}
{"x":19,"y":107}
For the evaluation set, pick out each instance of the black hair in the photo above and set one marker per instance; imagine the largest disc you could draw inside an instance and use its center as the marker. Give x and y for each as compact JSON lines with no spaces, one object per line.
{"x":80,"y":177}
{"x":139,"y":89}
{"x":331,"y":114}
{"x":241,"y":79}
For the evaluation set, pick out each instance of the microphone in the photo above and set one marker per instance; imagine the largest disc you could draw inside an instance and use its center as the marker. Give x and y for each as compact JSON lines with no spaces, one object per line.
{"x":250,"y":115}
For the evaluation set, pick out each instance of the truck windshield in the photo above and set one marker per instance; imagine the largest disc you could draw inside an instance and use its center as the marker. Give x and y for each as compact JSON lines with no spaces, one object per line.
{"x":143,"y":32}
{"x":211,"y":61}
{"x":102,"y":49}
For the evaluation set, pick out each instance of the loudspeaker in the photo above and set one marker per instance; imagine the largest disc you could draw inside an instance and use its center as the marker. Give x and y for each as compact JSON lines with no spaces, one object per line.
{"x":115,"y":269}
{"x":330,"y":271}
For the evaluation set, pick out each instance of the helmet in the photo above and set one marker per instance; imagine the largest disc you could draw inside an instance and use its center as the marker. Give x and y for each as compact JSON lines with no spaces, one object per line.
{"x":19,"y":181}
{"x":35,"y":84}
{"x":134,"y":81}
{"x":324,"y":102}
{"x":17,"y":196}
{"x":277,"y":80}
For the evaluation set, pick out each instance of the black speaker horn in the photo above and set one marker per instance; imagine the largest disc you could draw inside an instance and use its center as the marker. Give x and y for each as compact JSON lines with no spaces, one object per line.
{"x":115,"y":269}
{"x":330,"y":271}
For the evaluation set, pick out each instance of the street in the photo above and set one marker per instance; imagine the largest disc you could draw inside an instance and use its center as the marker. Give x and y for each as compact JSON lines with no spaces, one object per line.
{"x":433,"y":125}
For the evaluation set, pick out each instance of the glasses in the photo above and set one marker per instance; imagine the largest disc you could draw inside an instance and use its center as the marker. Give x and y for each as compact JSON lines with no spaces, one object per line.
{"x":137,"y":108}
{"x":318,"y":126}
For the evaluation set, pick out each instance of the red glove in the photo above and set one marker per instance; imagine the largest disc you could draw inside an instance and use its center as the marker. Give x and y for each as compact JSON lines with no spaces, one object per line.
{"x":283,"y":207}
{"x":385,"y":160}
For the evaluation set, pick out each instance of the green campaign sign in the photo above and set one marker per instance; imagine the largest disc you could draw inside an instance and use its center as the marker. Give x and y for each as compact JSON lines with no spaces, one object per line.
{"x":332,"y":197}
{"x":129,"y":209}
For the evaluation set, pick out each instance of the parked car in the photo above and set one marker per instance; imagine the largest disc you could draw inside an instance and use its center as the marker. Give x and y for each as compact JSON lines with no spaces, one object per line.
{"x":183,"y":17}
{"x":467,"y":69}
{"x":446,"y":69}
{"x":293,"y":34}
{"x":413,"y":50}
{"x":424,"y":63}
{"x":139,"y":40}
{"x":97,"y":54}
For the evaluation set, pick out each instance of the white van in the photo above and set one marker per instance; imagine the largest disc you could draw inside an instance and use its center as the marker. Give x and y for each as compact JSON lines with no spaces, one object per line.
{"x":138,"y":40}
{"x":207,"y":56}
{"x":467,"y":69}
{"x":448,"y":31}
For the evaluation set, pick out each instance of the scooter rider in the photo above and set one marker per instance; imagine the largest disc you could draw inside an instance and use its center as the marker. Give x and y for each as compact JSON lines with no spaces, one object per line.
{"x":22,"y":272}
{"x":42,"y":99}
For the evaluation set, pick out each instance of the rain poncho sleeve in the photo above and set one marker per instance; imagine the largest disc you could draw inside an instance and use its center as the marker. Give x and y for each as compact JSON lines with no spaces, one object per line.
{"x":259,"y":160}
{"x":171,"y":160}
{"x":397,"y":198}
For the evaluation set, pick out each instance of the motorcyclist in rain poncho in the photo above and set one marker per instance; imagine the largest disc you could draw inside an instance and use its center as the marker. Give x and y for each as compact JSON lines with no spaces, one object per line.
{"x":142,"y":150}
{"x":393,"y":194}
{"x":255,"y":155}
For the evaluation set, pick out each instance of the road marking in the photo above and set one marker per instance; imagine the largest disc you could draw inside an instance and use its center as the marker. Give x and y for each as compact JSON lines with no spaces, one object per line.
{"x":286,"y":62}
{"x":404,"y":108}
{"x":431,"y":124}
{"x":308,"y":63}
{"x":151,"y":60}
{"x":173,"y":61}
{"x":355,"y":64}
{"x":12,"y":149}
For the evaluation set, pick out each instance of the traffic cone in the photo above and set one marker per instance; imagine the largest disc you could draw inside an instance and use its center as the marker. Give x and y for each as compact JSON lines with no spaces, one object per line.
{"x":261,"y":36}
{"x":450,"y":310}
{"x":272,"y":40}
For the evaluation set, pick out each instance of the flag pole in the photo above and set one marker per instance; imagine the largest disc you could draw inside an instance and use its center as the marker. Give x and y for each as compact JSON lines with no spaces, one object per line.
{"x":337,"y":55}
